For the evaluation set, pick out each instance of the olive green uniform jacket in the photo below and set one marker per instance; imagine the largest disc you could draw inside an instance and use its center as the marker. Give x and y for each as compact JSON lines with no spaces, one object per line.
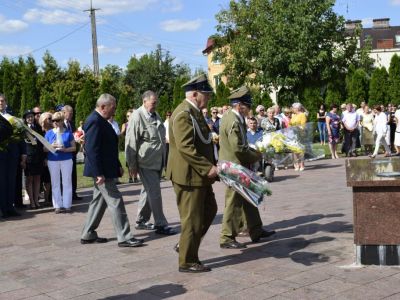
{"x":233,"y":141}
{"x":235,"y":148}
{"x":189,"y":159}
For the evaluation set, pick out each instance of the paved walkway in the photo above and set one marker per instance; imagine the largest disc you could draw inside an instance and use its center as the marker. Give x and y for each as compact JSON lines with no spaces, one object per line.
{"x":310,"y":257}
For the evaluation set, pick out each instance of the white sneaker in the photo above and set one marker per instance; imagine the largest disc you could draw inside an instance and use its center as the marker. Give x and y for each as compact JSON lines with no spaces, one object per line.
{"x":301,"y":169}
{"x":296,"y":169}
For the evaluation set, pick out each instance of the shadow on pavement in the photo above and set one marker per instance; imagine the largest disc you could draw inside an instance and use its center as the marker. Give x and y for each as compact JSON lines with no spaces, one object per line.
{"x":288,"y":241}
{"x":283,"y":178}
{"x":162,"y":291}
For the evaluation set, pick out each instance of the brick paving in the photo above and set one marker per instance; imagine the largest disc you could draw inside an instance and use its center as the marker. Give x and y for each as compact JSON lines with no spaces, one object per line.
{"x":310,"y":257}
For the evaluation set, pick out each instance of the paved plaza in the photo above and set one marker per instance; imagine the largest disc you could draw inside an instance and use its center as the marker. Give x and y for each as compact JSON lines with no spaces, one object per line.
{"x":310,"y":257}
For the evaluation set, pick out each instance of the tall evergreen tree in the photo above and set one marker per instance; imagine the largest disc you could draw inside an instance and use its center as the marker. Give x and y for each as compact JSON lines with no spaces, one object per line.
{"x":221,"y":95}
{"x":46,"y":101}
{"x":86,"y":102}
{"x":49,"y":75}
{"x":122,"y":107}
{"x":357,"y":87}
{"x":394,"y":80}
{"x":378,"y":87}
{"x":30,"y":95}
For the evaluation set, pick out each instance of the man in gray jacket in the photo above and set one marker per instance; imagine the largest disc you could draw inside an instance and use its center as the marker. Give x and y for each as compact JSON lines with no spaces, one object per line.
{"x":145,"y":153}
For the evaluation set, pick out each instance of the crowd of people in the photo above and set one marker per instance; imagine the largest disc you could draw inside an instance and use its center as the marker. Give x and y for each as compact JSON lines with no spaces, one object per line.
{"x":27,"y":161}
{"x":365,"y":128}
{"x":153,"y":146}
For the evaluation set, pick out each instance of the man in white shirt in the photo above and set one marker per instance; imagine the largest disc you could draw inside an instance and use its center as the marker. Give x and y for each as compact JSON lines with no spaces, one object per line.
{"x":350,"y":120}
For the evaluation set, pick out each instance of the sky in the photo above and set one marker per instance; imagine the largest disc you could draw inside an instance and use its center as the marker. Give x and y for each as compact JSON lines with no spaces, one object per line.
{"x":133,"y":27}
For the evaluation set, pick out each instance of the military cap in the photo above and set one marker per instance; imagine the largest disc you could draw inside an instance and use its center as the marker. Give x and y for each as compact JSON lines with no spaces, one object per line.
{"x":27,"y":113}
{"x":242,"y":95}
{"x":199,"y":83}
{"x":59,"y":107}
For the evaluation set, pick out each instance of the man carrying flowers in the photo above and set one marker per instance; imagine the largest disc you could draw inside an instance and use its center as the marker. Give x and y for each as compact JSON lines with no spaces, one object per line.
{"x":235,"y":148}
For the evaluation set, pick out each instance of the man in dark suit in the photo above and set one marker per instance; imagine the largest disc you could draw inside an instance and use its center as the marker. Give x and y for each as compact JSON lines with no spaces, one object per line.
{"x":69,"y":125}
{"x":102,"y":164}
{"x":11,"y":158}
{"x":5,"y":129}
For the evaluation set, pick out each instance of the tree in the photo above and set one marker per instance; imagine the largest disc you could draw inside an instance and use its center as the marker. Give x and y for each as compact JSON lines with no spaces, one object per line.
{"x":30,"y":94}
{"x":357,"y":87}
{"x":311,"y":99}
{"x":282,"y":43}
{"x":221,"y":95}
{"x":378,"y":87}
{"x":122,"y":107}
{"x":164,"y":105}
{"x":86,"y":102}
{"x":46,"y":101}
{"x":49,"y":75}
{"x":261,"y":97}
{"x":155,"y":71}
{"x":111,"y":80}
{"x":178,"y":91}
{"x":334,"y":94}
{"x":394,"y":79}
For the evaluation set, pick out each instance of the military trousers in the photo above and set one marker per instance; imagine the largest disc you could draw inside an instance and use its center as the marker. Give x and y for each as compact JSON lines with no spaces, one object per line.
{"x":107,"y":195}
{"x":150,"y":200}
{"x":197,"y":208}
{"x":232,"y":222}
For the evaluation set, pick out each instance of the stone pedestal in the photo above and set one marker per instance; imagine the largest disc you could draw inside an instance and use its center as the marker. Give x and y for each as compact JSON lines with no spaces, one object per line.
{"x":376,"y":209}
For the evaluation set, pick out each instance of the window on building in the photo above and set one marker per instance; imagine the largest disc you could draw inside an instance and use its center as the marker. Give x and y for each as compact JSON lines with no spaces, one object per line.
{"x":217,"y":80}
{"x":216,"y":58}
{"x":397,"y":39}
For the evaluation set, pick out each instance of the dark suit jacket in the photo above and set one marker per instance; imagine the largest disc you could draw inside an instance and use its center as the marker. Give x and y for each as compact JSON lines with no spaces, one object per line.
{"x":5,"y":129}
{"x":101,"y":148}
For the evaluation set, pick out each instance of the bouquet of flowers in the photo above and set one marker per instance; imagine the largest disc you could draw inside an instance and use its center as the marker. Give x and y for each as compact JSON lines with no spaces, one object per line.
{"x":20,"y":131}
{"x":280,"y":142}
{"x":245,"y":182}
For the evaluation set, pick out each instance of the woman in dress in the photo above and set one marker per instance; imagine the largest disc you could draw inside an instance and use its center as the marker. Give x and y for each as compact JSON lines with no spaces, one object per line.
{"x":298,"y":119}
{"x":321,"y":117}
{"x":333,"y":126}
{"x":367,"y":124}
{"x":60,"y":162}
{"x":34,"y":162}
{"x":46,"y":123}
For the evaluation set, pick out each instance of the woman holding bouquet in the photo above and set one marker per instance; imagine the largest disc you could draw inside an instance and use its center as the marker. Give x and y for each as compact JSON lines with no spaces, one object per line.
{"x":298,"y":119}
{"x":61,"y":161}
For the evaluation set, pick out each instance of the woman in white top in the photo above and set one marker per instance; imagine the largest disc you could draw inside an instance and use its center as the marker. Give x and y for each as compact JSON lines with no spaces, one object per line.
{"x":397,"y":132}
{"x":380,"y":130}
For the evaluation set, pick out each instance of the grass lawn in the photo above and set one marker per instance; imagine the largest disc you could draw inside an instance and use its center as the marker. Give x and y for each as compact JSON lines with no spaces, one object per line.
{"x":84,"y":182}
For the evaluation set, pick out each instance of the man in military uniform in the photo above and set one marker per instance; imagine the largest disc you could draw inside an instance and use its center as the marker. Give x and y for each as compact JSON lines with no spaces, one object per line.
{"x":191,"y":168}
{"x":235,"y":148}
